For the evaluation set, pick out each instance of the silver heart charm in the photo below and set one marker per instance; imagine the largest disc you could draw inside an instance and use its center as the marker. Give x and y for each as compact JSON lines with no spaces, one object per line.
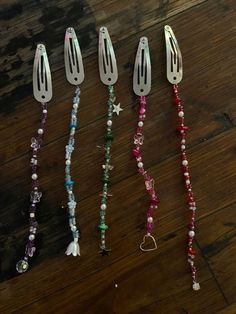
{"x":144,"y":242}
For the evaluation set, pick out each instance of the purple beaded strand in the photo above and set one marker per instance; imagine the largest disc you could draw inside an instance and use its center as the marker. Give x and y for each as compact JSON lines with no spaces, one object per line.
{"x":35,"y":195}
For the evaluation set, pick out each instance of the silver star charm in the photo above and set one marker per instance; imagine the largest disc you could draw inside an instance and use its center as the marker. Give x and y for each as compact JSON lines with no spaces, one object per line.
{"x":117,"y":109}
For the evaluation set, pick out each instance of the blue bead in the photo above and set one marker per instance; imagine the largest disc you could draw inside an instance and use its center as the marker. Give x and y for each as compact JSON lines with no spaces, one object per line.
{"x":73,"y":126}
{"x":70,"y":182}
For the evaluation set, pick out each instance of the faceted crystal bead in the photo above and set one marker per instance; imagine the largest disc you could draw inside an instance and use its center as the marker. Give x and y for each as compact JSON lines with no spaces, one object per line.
{"x":22,"y":266}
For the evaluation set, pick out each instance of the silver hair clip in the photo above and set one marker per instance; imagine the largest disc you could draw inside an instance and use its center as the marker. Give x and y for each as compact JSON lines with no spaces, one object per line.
{"x":109,"y":75}
{"x":174,"y":70}
{"x":73,"y":58}
{"x":142,"y":69}
{"x":42,"y":81}
{"x":174,"y":65}
{"x":106,"y":58}
{"x":142,"y":86}
{"x":42,"y":88}
{"x":75,"y":76}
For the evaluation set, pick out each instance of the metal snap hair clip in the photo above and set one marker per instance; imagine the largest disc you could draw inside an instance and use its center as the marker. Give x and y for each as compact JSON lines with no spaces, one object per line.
{"x":142,"y":87}
{"x":109,"y":75}
{"x":174,"y":69}
{"x":42,"y":89}
{"x":75,"y":76}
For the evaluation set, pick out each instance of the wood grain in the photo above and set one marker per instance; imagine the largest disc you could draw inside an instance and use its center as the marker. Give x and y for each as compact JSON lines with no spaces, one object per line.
{"x":158,"y":282}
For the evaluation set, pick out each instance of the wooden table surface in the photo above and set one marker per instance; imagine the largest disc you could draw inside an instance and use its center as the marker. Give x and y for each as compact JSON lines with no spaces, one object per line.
{"x":128,"y":281}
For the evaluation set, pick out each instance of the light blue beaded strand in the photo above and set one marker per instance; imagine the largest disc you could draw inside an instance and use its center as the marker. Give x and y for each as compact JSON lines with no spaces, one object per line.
{"x":73,"y":248}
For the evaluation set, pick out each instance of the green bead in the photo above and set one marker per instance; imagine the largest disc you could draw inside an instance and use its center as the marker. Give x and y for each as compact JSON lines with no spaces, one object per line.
{"x":106,"y":180}
{"x":103,"y":227}
{"x":109,"y":137}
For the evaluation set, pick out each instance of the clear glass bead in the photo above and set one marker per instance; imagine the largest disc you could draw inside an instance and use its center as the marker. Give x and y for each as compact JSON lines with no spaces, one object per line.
{"x":22,"y":266}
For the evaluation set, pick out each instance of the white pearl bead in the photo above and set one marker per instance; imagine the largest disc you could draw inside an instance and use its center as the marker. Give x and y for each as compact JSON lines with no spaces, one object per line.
{"x":186,"y":174}
{"x":184,"y":162}
{"x":75,"y":106}
{"x":40,"y":131}
{"x":45,"y":111}
{"x":32,"y":215}
{"x":196,"y":286}
{"x":183,"y":141}
{"x":31,"y":237}
{"x":140,"y":164}
{"x":103,"y":206}
{"x":109,"y":123}
{"x":68,"y":162}
{"x":140,"y":124}
{"x":150,"y":219}
{"x":34,"y":176}
{"x":191,"y":233}
{"x":187,"y":182}
{"x":181,"y":114}
{"x":183,"y":147}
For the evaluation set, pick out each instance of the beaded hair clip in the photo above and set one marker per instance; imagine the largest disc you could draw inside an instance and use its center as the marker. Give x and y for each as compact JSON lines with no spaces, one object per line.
{"x":42,"y":88}
{"x":109,"y":75}
{"x":142,"y":87}
{"x":174,"y":70}
{"x":75,"y":76}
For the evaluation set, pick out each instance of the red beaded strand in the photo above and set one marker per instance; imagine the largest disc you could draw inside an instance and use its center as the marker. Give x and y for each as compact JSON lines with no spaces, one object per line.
{"x":182,"y":129}
{"x":149,"y":182}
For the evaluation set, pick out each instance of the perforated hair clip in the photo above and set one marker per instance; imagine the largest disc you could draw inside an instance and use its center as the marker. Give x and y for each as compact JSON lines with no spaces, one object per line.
{"x":109,"y":75}
{"x":142,"y":87}
{"x":75,"y":76}
{"x":174,"y":69}
{"x":42,"y":88}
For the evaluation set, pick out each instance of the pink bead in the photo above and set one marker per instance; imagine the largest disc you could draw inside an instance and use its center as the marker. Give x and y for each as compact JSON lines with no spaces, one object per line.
{"x":136,"y":152}
{"x":142,"y":110}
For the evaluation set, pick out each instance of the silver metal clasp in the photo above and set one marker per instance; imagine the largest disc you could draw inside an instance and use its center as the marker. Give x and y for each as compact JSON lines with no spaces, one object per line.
{"x":42,"y":81}
{"x":106,"y":58}
{"x":73,"y":58}
{"x":142,"y":69}
{"x":174,"y":65}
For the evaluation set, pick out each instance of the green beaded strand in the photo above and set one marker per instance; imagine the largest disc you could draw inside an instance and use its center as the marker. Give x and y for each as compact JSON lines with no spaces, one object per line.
{"x":106,"y":175}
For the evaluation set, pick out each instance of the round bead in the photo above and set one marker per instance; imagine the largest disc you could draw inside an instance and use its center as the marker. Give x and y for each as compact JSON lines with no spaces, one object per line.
{"x":22,"y":266}
{"x":140,"y":164}
{"x":75,"y":106}
{"x":45,"y":111}
{"x":196,"y":286}
{"x":191,"y":233}
{"x":40,"y":131}
{"x":73,"y":228}
{"x":68,"y":162}
{"x":32,"y":215}
{"x":31,"y":237}
{"x":109,"y":122}
{"x":183,"y":147}
{"x":186,"y":174}
{"x":140,"y":124}
{"x":181,"y":114}
{"x":34,"y":176}
{"x":184,"y":162}
{"x":103,"y":206}
{"x":150,"y":219}
{"x":187,"y":182}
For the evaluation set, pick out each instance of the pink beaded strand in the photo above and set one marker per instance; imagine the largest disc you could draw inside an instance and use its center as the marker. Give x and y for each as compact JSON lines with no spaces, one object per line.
{"x":149,"y":182}
{"x":182,"y":129}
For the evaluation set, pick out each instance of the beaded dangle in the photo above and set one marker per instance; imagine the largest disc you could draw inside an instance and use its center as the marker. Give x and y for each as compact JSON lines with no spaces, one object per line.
{"x":142,"y":87}
{"x":109,"y":75}
{"x":75,"y":76}
{"x":42,"y":87}
{"x":174,"y":76}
